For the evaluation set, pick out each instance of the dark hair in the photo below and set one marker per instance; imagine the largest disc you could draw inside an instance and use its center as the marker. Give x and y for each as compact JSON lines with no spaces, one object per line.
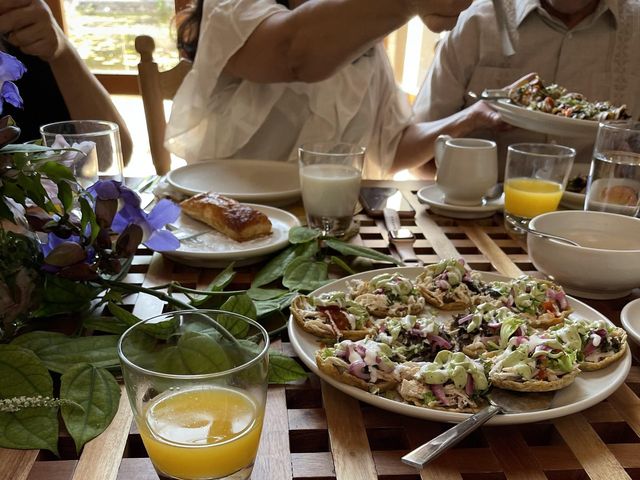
{"x":188,"y":27}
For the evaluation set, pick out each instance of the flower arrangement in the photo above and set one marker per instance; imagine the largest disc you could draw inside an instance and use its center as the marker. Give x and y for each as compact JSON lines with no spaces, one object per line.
{"x":64,"y":250}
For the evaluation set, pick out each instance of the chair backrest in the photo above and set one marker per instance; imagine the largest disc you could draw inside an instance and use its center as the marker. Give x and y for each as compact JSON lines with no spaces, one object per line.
{"x":156,"y":86}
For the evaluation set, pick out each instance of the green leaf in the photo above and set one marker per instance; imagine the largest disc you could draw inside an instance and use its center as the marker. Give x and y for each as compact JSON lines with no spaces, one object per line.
{"x":59,"y":352}
{"x":258,"y":294}
{"x":358,"y":251}
{"x":243,"y":305}
{"x":267,"y":307}
{"x":11,"y":190}
{"x":161,"y":330}
{"x":64,"y":296}
{"x":303,"y":234}
{"x":88,"y":217}
{"x":283,"y":369}
{"x":305,"y":274}
{"x":195,"y":353}
{"x":217,"y":285}
{"x":106,"y":324}
{"x":33,"y":188}
{"x":24,"y":148}
{"x":342,"y":264}
{"x":65,"y":195}
{"x":56,"y":171}
{"x":276,"y":267}
{"x":23,"y":374}
{"x":5,"y":212}
{"x":97,"y":392}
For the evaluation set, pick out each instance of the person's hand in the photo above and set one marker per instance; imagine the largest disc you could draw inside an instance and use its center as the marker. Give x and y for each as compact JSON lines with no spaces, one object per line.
{"x":480,"y":115}
{"x":439,"y":15}
{"x":30,"y":26}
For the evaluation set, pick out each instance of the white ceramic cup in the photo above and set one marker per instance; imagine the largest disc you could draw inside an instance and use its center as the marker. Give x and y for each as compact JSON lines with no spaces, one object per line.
{"x":467,"y":168}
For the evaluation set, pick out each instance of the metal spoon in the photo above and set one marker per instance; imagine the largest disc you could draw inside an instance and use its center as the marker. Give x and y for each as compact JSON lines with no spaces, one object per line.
{"x":490,"y":94}
{"x":501,"y":401}
{"x":540,"y":234}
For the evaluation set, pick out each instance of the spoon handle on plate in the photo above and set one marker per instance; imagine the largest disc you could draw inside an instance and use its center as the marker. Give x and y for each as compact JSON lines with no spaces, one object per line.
{"x":425,"y":453}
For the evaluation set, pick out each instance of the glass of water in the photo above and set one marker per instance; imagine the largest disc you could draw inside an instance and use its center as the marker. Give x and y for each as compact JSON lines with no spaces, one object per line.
{"x":330,"y":175}
{"x":614,"y":177}
{"x":99,"y":153}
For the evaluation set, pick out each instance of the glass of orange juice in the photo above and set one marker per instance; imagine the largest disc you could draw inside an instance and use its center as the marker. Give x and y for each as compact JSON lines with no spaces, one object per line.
{"x":534,"y":180}
{"x":197,"y":384}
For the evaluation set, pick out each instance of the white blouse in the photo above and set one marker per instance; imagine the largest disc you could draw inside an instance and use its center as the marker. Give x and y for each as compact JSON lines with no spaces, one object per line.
{"x":216,"y":116}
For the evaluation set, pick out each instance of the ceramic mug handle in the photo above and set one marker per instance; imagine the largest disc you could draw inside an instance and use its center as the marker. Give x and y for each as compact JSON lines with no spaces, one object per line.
{"x":440,"y":145}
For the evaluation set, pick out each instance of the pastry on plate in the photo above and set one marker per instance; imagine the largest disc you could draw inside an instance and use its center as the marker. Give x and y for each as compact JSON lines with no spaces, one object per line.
{"x":449,"y":284}
{"x":235,"y":220}
{"x":598,"y":343}
{"x":332,"y":315}
{"x":539,"y":363}
{"x":452,"y":382}
{"x":364,"y":364}
{"x":387,"y":295}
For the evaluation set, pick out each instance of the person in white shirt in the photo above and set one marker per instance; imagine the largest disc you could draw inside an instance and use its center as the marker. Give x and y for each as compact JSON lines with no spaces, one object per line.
{"x":269,"y":77}
{"x":586,"y":46}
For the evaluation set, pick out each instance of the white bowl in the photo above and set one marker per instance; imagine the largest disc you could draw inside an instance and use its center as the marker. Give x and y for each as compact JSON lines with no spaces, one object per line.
{"x":607,"y":265}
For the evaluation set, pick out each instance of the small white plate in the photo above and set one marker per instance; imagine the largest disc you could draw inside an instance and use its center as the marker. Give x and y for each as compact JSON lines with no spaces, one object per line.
{"x":433,"y":196}
{"x":588,"y":389}
{"x":214,"y":249}
{"x":630,"y":318}
{"x":542,"y":122}
{"x":254,"y":181}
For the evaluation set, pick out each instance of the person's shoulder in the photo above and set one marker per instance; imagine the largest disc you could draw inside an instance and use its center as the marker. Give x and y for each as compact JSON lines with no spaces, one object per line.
{"x":480,"y":14}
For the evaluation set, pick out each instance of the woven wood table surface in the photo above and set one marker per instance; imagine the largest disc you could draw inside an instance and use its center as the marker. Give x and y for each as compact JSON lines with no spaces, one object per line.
{"x":313,"y":431}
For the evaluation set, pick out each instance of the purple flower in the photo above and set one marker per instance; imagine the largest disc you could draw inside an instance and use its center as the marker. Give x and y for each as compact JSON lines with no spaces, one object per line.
{"x":152,"y":224}
{"x":11,"y":69}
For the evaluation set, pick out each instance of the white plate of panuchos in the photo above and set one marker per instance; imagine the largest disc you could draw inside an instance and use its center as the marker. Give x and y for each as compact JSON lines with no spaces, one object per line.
{"x":430,"y":342}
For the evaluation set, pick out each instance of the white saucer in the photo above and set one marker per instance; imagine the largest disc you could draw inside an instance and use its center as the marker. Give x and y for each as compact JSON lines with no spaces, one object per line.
{"x":433,"y":196}
{"x":630,"y":318}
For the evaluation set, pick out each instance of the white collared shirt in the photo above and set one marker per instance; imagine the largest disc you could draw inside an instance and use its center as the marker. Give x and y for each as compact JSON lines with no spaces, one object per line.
{"x":215,"y":116}
{"x":599,"y":58}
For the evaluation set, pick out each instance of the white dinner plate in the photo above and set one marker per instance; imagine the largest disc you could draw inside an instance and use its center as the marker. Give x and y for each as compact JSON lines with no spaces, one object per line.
{"x":630,"y":318}
{"x":434,"y":197}
{"x":542,"y":122}
{"x":588,"y":389}
{"x":213,"y":249}
{"x":255,"y":181}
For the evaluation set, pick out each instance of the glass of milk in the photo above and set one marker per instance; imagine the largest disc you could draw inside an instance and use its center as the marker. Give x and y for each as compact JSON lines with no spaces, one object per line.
{"x":330,"y":175}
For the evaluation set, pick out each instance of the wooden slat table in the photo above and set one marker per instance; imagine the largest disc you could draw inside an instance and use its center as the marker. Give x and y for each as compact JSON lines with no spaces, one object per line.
{"x":313,"y":431}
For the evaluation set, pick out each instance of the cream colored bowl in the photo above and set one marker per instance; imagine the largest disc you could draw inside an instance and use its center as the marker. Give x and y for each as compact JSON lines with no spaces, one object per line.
{"x":606,"y":265}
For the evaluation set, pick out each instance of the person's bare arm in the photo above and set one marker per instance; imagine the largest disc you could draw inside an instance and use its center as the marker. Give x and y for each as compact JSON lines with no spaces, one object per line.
{"x":30,"y":26}
{"x":416,"y":145}
{"x":314,"y":40}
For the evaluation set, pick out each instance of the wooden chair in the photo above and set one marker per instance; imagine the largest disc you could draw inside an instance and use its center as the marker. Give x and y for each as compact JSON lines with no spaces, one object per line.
{"x":156,"y":86}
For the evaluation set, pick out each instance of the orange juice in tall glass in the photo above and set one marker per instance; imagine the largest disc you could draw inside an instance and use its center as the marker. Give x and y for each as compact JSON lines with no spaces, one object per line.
{"x":198,"y":391}
{"x":535,"y":177}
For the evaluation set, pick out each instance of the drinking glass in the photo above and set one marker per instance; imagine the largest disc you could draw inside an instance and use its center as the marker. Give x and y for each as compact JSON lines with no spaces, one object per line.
{"x":614,"y":178}
{"x":330,"y":175}
{"x":99,"y":142}
{"x":197,"y":384}
{"x":535,"y":177}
